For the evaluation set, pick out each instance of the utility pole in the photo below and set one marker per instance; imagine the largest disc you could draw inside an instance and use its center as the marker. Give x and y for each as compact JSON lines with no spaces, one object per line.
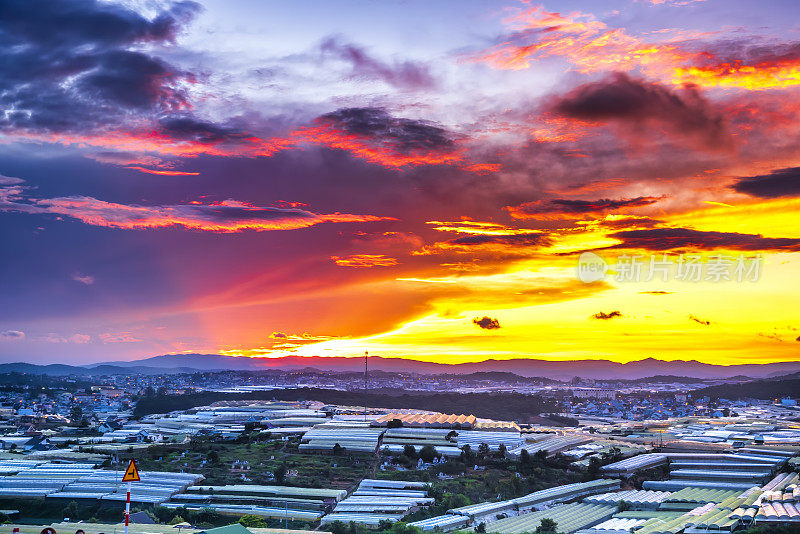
{"x":366,"y":369}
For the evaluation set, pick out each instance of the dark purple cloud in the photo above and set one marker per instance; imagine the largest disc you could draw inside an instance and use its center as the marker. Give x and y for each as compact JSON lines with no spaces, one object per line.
{"x":78,"y":65}
{"x":400,"y":74}
{"x":565,"y":206}
{"x":185,"y":127}
{"x":778,"y":183}
{"x":634,"y":101}
{"x":640,"y":222}
{"x":402,"y":134}
{"x":685,"y":238}
{"x":487,"y":323}
{"x":603,"y":316}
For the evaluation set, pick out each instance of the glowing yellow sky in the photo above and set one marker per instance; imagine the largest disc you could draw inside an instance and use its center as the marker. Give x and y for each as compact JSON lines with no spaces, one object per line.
{"x":546,"y":312}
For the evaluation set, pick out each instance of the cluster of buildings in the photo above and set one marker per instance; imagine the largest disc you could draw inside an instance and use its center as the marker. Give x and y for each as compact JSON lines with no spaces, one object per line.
{"x":664,"y":462}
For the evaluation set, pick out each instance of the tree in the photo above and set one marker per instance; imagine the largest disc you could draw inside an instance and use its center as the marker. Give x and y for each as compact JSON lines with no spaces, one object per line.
{"x":75,"y":414}
{"x":481,"y":528}
{"x":250,"y":426}
{"x":524,"y":457}
{"x":213,"y":457}
{"x":410,"y":451}
{"x":501,"y":451}
{"x":338,"y":450}
{"x":467,"y":455}
{"x":71,"y":511}
{"x":594,"y":466}
{"x":547,"y":525}
{"x":280,"y":474}
{"x":394,"y":423}
{"x":483,"y":450}
{"x":428,"y":453}
{"x":458,"y":500}
{"x":177,"y":520}
{"x":401,"y":528}
{"x":623,"y":506}
{"x":614,"y":454}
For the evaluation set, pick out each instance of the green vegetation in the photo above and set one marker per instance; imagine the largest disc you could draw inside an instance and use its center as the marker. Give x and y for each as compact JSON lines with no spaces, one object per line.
{"x":504,"y":406}
{"x":39,"y":511}
{"x":252,"y":521}
{"x":385,"y":527}
{"x":498,"y":478}
{"x":206,"y":518}
{"x":270,"y":461}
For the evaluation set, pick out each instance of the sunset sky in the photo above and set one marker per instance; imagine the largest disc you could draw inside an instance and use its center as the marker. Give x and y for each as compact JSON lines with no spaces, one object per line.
{"x":416,"y":179}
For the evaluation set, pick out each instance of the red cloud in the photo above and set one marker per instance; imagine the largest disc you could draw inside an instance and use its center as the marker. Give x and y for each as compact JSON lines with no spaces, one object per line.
{"x":188,"y":137}
{"x":227,"y":216}
{"x":162,"y":172}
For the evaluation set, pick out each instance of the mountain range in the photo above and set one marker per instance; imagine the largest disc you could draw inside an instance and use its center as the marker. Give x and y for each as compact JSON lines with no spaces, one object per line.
{"x":559,"y":370}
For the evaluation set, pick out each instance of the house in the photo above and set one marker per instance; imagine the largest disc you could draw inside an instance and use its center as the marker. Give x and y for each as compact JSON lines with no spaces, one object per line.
{"x":148,"y":436}
{"x":25,"y":443}
{"x":109,"y":425}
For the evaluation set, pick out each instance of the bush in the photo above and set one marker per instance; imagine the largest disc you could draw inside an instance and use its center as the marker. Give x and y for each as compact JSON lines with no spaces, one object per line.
{"x":253,"y":521}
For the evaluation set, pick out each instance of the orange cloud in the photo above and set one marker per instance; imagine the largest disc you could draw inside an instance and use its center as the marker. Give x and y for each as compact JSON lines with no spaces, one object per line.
{"x":588,"y":43}
{"x":476,"y":228}
{"x":365,"y":260}
{"x":737,"y":74}
{"x":162,"y":172}
{"x":592,"y":46}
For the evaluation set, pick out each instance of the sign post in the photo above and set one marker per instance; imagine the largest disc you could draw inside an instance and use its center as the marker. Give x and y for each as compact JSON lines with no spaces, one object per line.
{"x":131,"y":475}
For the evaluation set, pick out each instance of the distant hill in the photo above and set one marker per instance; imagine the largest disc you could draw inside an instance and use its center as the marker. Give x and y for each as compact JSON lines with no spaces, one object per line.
{"x":504,"y":406}
{"x":668,"y":379}
{"x":559,"y":370}
{"x":201,"y":362}
{"x":759,"y":389}
{"x":101,"y":369}
{"x":529,"y":369}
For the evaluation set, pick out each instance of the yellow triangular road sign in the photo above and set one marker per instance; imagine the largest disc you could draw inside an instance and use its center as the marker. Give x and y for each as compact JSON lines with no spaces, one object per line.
{"x":131,"y":473}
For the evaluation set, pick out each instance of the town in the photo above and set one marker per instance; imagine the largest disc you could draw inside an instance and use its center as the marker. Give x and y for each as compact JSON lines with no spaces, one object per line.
{"x":315,"y":450}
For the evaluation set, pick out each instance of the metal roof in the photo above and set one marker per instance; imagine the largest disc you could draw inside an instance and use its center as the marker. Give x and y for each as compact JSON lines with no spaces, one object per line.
{"x":569,"y":517}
